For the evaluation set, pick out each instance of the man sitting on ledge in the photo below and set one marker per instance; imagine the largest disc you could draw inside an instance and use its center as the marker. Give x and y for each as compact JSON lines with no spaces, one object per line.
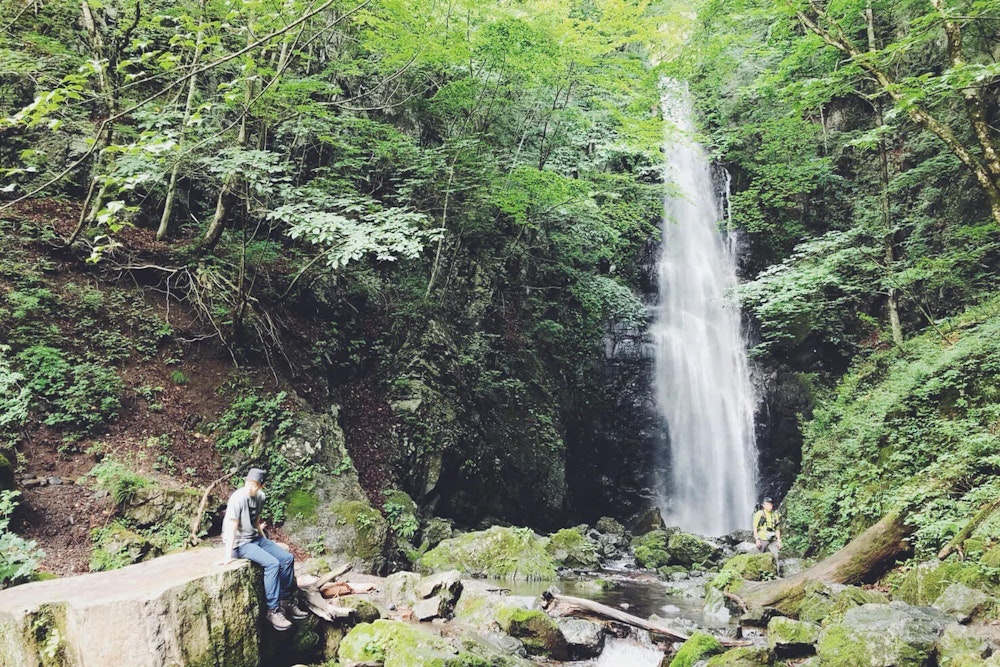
{"x":242,"y":537}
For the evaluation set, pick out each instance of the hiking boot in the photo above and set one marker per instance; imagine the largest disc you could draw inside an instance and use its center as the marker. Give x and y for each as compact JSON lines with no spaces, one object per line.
{"x":292,"y":610}
{"x":277,"y":620}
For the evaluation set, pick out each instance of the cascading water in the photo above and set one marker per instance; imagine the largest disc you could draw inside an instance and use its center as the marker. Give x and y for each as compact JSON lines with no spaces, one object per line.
{"x":702,"y":379}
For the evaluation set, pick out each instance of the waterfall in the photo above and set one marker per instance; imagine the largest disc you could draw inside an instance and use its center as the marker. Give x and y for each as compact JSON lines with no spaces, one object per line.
{"x":702,"y":379}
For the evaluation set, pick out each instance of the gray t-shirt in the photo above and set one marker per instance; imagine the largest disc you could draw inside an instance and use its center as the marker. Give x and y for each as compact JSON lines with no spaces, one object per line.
{"x":245,"y":509}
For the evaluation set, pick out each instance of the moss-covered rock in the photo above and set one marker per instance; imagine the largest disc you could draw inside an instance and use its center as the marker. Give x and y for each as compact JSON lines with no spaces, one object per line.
{"x":688,"y":549}
{"x":435,"y":531}
{"x":923,"y":584}
{"x":479,"y":607}
{"x":752,"y":567}
{"x":571,"y":548}
{"x":650,"y":549}
{"x":503,"y":553}
{"x":397,"y":644}
{"x":893,"y":635}
{"x":160,"y":503}
{"x":401,"y":588}
{"x":116,"y":546}
{"x":744,"y":656}
{"x":536,"y":629}
{"x":699,"y":646}
{"x":824,"y":603}
{"x":962,"y":603}
{"x":959,"y":647}
{"x":789,"y":638}
{"x":364,"y":610}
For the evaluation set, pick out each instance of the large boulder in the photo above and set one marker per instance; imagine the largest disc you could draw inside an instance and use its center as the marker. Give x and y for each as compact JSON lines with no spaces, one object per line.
{"x":333,"y":513}
{"x":744,"y":656}
{"x":824,"y":603}
{"x":397,"y":644}
{"x":880,"y":635}
{"x":650,"y":549}
{"x":177,"y":610}
{"x":924,"y":583}
{"x":962,"y":603}
{"x":504,"y":553}
{"x":536,"y":630}
{"x":584,"y":638}
{"x":437,"y":595}
{"x":161,"y":503}
{"x":959,"y":647}
{"x":698,"y":647}
{"x":571,"y":548}
{"x":688,"y":549}
{"x":788,"y":638}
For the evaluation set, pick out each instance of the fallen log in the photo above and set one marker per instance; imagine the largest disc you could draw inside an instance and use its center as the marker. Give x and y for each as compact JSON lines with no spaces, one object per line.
{"x":867,"y":557}
{"x":566,"y":605}
{"x":956,"y":542}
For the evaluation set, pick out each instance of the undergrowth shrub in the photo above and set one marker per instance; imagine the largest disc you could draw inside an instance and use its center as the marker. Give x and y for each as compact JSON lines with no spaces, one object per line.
{"x":118,"y":479}
{"x":19,"y":558}
{"x":77,"y":397}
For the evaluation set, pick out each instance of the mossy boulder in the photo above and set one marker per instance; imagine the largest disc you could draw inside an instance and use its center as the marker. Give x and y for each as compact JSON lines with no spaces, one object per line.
{"x":479,"y":607}
{"x":688,"y":549}
{"x":959,"y":647}
{"x":503,"y":553}
{"x":878,"y":635}
{"x":161,"y":503}
{"x":116,"y":546}
{"x":333,"y":512}
{"x":962,"y":602}
{"x":650,"y":549}
{"x":435,"y":531}
{"x":397,"y":644}
{"x":789,"y":638}
{"x":536,"y":630}
{"x":364,"y":610}
{"x":744,"y":656}
{"x":923,"y":584}
{"x":824,"y":603}
{"x":401,"y":588}
{"x":751,"y":567}
{"x":571,"y":548}
{"x":699,"y":646}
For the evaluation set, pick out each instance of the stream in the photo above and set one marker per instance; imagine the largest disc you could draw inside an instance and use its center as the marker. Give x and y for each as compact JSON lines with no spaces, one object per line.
{"x":677,"y":604}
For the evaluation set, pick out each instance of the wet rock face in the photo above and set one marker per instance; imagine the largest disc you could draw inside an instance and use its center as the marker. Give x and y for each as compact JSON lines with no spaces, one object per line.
{"x":176,"y":610}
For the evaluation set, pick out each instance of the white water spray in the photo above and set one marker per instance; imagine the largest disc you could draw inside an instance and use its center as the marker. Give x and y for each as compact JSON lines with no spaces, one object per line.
{"x":703,"y":387}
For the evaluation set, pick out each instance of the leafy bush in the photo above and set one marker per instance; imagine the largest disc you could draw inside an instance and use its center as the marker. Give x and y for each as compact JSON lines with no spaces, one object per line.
{"x":80,"y":397}
{"x":117,"y":479}
{"x":19,"y":558}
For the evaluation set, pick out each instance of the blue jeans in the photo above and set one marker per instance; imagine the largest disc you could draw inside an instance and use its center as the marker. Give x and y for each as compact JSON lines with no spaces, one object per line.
{"x":279,"y":575}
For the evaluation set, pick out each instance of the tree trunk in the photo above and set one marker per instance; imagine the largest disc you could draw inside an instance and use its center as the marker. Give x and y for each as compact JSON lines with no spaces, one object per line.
{"x":864,"y":559}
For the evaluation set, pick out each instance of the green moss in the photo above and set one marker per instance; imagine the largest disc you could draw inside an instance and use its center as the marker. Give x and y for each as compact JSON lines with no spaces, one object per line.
{"x":823,"y":604}
{"x":47,"y":635}
{"x":369,"y":526}
{"x":650,"y":550}
{"x":991,"y":558}
{"x":699,"y":646}
{"x":688,"y":549}
{"x":536,"y":630}
{"x":924,"y":583}
{"x":301,"y":504}
{"x":503,"y":553}
{"x":116,"y":545}
{"x":744,"y":567}
{"x":397,"y":644}
{"x":744,"y":656}
{"x":571,"y":548}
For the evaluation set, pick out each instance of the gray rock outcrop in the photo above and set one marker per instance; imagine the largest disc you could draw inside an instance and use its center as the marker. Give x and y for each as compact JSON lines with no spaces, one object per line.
{"x":182,"y":609}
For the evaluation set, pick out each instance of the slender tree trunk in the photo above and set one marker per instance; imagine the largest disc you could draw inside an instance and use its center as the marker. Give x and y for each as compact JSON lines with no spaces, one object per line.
{"x":168,"y":204}
{"x":888,"y":237}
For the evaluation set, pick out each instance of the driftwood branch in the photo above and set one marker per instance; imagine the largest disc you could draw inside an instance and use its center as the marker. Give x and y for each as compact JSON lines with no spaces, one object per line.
{"x":565,"y":605}
{"x":193,"y":539}
{"x":317,"y":604}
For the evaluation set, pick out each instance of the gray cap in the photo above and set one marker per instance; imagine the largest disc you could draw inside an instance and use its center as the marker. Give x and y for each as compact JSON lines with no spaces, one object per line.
{"x":767,"y":499}
{"x":257,"y":475}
